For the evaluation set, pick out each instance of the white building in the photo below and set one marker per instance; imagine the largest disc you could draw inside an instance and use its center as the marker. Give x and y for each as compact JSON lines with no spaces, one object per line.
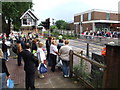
{"x":28,"y":19}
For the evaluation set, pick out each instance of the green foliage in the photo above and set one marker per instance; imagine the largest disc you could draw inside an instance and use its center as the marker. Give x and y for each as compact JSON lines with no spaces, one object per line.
{"x":53,"y":27}
{"x":95,"y":79}
{"x":66,"y":26}
{"x":61,"y":24}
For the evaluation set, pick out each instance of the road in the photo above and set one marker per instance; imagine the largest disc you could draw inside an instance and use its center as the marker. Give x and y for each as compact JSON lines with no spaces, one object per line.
{"x":82,"y":45}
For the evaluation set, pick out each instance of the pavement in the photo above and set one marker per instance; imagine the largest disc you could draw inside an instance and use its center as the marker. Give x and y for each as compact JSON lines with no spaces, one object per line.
{"x":51,"y":80}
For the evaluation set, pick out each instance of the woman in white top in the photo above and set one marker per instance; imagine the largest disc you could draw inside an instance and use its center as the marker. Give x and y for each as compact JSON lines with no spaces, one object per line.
{"x":53,"y":54}
{"x":41,"y":55}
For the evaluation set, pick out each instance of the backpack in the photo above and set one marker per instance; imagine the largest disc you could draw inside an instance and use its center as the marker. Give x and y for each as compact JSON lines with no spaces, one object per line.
{"x":14,"y":49}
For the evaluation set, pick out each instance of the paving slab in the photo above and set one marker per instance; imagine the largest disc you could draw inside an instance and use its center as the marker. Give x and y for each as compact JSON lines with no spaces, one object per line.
{"x":51,"y":80}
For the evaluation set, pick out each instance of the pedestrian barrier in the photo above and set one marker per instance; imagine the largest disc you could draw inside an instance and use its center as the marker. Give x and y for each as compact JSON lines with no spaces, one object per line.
{"x":98,"y":39}
{"x":85,"y":70}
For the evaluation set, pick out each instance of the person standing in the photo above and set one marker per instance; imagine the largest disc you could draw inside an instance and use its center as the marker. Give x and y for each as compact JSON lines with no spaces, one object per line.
{"x":59,"y":62}
{"x":53,"y":54}
{"x":30,"y":65}
{"x":60,"y":36}
{"x":19,"y":49}
{"x":4,"y":49}
{"x":64,"y":55}
{"x":41,"y":56}
{"x":4,"y":72}
{"x":48,"y":43}
{"x":34,"y":46}
{"x":60,"y":44}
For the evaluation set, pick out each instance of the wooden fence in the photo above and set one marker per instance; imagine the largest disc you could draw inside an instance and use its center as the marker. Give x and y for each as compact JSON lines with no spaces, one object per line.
{"x":110,"y":70}
{"x":86,"y":59}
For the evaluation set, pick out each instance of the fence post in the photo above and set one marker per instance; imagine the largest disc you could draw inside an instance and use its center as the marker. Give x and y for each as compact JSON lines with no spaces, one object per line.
{"x":87,"y":50}
{"x":71,"y":62}
{"x":81,"y":58}
{"x":112,"y":72}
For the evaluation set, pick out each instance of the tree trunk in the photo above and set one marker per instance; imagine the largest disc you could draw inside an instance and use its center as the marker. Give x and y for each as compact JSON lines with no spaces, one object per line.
{"x":9,"y":27}
{"x":4,"y":25}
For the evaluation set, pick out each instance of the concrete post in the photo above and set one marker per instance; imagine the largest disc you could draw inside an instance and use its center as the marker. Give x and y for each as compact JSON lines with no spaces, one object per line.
{"x":112,"y":72}
{"x":93,"y":27}
{"x":81,"y":29}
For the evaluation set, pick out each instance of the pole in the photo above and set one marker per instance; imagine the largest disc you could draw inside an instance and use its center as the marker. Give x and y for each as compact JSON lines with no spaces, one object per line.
{"x":87,"y":50}
{"x":71,"y":62}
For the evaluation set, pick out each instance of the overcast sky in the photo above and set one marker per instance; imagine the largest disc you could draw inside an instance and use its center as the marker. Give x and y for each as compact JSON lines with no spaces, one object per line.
{"x":65,"y":9}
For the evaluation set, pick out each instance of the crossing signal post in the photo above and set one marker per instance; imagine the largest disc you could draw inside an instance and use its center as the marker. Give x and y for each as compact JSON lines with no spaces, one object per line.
{"x":46,"y":23}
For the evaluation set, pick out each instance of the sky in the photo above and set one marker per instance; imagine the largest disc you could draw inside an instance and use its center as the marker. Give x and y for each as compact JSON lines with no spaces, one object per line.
{"x":65,"y":9}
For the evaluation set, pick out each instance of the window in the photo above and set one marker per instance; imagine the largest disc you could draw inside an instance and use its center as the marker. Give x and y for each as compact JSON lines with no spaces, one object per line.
{"x":81,"y":18}
{"x":108,"y":16}
{"x":25,"y":21}
{"x":89,"y":16}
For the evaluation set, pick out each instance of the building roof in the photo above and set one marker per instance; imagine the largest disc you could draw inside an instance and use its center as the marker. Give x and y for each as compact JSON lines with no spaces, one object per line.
{"x":98,"y":10}
{"x":30,"y":13}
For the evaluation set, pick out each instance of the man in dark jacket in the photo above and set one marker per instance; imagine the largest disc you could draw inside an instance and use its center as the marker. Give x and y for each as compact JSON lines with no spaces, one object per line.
{"x":4,"y":50}
{"x":48,"y":43}
{"x":30,"y":65}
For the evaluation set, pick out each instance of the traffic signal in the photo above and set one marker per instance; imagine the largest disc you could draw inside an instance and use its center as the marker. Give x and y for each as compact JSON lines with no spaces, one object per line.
{"x":46,"y":23}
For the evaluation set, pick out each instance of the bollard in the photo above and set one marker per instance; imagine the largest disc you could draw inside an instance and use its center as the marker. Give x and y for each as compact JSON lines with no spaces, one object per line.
{"x":87,"y":50}
{"x":112,"y":72}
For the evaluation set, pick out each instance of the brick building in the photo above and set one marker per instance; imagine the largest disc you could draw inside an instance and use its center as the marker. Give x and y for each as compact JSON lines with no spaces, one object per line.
{"x":96,"y":20}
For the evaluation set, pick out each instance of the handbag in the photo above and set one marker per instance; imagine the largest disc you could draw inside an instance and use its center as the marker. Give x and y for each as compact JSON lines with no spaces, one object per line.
{"x":10,"y":83}
{"x":42,"y":68}
{"x":8,"y":51}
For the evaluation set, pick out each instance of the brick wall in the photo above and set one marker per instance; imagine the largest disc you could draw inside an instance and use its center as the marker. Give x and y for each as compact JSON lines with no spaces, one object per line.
{"x":114,"y":16}
{"x":77,"y":18}
{"x":99,"y":15}
{"x":85,"y":17}
{"x":87,"y":26}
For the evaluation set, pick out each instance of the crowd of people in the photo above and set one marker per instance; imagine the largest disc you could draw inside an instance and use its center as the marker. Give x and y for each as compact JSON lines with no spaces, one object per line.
{"x":113,"y":34}
{"x":29,"y":47}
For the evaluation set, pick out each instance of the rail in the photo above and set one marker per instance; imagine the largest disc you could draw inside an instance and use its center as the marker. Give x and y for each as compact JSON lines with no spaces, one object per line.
{"x":82,"y":58}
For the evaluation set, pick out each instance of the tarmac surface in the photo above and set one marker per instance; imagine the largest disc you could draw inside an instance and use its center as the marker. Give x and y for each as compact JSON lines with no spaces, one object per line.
{"x":51,"y":80}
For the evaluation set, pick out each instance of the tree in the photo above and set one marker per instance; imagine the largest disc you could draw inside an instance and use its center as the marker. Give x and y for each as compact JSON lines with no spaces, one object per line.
{"x":53,"y":27}
{"x":66,"y":26}
{"x":12,"y":11}
{"x":59,"y":24}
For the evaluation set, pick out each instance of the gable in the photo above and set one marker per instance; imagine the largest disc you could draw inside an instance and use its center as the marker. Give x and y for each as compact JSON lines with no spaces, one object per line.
{"x":29,"y":12}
